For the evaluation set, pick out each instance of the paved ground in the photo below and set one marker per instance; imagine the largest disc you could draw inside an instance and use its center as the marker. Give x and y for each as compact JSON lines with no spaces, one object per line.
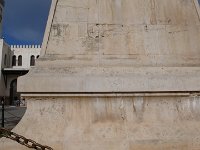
{"x":13,"y":115}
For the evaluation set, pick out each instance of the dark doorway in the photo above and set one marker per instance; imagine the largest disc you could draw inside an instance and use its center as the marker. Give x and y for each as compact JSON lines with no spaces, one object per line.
{"x":14,"y":96}
{"x":14,"y":60}
{"x":20,"y":60}
{"x":32,"y":60}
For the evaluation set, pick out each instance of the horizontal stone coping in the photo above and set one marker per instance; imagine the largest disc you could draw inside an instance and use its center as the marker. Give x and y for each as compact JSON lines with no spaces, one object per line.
{"x":145,"y":94}
{"x":112,"y":80}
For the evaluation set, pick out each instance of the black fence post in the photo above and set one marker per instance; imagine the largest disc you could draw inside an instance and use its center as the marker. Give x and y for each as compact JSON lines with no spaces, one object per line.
{"x":3,"y":104}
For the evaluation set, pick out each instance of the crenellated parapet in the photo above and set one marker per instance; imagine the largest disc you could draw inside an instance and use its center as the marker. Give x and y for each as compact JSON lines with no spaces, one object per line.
{"x":25,"y":46}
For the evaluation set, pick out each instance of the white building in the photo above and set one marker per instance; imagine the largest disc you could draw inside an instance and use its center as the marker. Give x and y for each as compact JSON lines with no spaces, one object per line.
{"x":5,"y":54}
{"x":23,"y":56}
{"x":15,"y":60}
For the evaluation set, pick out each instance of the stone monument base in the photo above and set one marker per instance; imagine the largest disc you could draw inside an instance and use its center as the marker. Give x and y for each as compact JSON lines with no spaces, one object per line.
{"x":140,"y":121}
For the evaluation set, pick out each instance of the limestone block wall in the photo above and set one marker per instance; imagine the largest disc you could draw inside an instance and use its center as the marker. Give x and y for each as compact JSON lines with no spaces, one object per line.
{"x":120,"y":45}
{"x":123,"y":32}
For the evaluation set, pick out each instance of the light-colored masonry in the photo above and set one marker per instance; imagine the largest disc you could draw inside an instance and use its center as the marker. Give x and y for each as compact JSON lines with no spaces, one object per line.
{"x":27,"y":52}
{"x":115,"y":75}
{"x":13,"y":60}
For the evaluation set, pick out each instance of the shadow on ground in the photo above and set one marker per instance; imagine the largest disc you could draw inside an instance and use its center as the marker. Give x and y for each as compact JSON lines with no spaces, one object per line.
{"x":13,"y":115}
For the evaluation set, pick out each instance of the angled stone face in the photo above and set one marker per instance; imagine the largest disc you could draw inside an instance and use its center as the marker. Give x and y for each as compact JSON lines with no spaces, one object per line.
{"x":92,"y":41}
{"x":137,"y":33}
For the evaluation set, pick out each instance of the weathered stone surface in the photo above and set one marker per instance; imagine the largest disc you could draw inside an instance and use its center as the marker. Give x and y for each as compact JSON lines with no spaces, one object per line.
{"x":113,"y":79}
{"x":105,"y":32}
{"x":116,"y":75}
{"x":110,"y":35}
{"x":112,"y":123}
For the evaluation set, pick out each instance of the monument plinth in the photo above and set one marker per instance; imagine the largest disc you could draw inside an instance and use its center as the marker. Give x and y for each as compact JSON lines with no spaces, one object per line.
{"x":116,"y":74}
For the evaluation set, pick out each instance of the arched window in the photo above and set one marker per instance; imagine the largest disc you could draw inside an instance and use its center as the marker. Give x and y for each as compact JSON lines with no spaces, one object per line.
{"x":14,"y":60}
{"x":38,"y":56}
{"x":20,"y":60}
{"x":5,"y":60}
{"x":32,"y":61}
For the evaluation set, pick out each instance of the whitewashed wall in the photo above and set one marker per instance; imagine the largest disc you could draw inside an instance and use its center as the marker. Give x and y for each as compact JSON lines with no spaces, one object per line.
{"x":26,"y":51}
{"x":5,"y":55}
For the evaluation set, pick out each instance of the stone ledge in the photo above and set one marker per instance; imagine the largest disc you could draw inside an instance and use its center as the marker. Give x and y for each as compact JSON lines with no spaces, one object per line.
{"x":112,"y":80}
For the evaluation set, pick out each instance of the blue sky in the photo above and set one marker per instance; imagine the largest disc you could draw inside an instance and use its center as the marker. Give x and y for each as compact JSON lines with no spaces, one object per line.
{"x":25,"y":21}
